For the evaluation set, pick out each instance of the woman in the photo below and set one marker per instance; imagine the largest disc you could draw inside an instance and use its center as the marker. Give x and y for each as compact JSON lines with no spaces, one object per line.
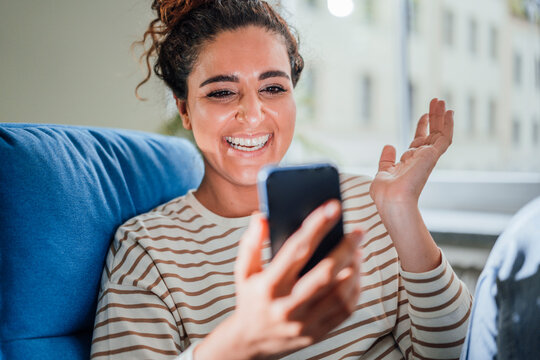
{"x":188,"y":280}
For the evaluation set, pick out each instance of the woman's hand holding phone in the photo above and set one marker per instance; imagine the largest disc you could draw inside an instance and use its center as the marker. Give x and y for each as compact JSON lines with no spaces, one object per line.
{"x":277,"y":312}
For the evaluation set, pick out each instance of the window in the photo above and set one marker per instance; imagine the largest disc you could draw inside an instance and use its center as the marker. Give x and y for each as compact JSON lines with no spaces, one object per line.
{"x":493,"y":42}
{"x":516,"y":129}
{"x":366,"y":99}
{"x":471,"y":115}
{"x":448,"y":28}
{"x":517,"y":68}
{"x":473,"y":35}
{"x":492,"y":117}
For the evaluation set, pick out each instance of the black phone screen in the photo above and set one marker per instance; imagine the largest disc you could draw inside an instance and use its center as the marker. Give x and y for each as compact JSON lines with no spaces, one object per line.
{"x":289,"y":194}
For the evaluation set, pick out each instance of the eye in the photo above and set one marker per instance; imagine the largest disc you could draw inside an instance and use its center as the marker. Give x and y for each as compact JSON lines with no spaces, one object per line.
{"x":220,"y":94}
{"x":274,"y":89}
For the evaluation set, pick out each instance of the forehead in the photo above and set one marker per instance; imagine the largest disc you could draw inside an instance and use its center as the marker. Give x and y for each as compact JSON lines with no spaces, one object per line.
{"x":246,"y":51}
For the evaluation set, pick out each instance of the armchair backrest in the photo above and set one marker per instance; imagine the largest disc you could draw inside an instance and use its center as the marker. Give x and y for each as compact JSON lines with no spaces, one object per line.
{"x":63,"y":192}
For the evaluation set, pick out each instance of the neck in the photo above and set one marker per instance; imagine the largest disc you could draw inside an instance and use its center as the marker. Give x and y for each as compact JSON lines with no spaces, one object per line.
{"x":224,"y":198}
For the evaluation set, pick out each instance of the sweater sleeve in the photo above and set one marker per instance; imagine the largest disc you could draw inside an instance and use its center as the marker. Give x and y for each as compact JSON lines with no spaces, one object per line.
{"x":438,"y":308}
{"x":136,"y":317}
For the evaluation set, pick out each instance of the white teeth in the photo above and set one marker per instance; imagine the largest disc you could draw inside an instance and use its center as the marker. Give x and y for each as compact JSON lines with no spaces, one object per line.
{"x":247,"y":144}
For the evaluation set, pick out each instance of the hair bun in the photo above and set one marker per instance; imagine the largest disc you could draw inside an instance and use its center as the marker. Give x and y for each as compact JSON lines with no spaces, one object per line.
{"x":170,"y":12}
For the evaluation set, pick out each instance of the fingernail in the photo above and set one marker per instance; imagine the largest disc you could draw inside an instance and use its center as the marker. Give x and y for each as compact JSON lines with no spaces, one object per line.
{"x":330,"y":209}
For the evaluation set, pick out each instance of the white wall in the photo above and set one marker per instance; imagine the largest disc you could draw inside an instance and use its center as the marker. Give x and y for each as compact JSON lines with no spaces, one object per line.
{"x":69,"y":62}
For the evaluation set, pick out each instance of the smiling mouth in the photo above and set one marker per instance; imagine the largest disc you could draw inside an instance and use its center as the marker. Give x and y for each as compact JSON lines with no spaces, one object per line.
{"x":248,"y":144}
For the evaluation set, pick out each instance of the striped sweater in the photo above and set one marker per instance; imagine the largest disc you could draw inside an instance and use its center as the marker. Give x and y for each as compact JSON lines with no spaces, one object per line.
{"x":168,"y":281}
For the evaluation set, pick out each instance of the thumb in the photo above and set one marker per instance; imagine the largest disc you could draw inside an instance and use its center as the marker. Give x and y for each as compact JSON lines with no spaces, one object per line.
{"x":248,"y":261}
{"x":388,"y":158}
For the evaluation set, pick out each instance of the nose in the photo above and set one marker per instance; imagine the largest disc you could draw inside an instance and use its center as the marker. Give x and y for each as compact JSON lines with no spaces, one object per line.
{"x":250,"y":109}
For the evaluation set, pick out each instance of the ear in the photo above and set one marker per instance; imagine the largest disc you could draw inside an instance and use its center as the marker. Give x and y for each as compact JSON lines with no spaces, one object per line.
{"x":183,"y":111}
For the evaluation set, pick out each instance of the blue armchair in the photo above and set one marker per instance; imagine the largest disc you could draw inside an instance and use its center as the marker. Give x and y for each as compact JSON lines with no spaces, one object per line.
{"x":63,"y":192}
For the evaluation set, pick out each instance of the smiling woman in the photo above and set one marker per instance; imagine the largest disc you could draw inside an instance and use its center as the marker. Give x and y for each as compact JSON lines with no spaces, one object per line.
{"x":192,"y":278}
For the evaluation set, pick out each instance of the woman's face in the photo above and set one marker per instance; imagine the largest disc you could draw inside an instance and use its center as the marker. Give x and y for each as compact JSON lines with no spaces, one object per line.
{"x":240,"y":104}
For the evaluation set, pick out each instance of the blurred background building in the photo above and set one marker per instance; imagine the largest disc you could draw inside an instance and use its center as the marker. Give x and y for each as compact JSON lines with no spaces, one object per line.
{"x":372,"y":67}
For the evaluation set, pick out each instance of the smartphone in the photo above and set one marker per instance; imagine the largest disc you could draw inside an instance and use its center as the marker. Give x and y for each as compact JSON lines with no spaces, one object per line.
{"x":287,"y":195}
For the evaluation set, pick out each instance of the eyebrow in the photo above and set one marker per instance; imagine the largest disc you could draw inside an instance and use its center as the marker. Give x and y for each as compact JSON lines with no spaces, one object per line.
{"x":234,"y":78}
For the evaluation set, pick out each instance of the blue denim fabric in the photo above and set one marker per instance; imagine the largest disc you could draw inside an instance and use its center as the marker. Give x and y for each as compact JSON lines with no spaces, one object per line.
{"x":505,"y":320}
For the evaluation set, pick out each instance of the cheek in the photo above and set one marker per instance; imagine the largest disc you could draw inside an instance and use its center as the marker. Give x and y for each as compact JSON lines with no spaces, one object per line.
{"x":207,"y":123}
{"x":288,"y":116}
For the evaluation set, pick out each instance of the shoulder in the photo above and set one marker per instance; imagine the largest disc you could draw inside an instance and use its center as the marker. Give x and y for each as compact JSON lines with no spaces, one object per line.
{"x":145,"y":235}
{"x":174,"y":212}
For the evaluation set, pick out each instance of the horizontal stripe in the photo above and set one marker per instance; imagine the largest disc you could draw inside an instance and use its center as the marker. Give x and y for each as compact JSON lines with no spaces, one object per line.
{"x":373,"y":239}
{"x":133,"y":348}
{"x":378,"y":252}
{"x":202,"y":291}
{"x":350,"y":178}
{"x":136,"y":320}
{"x":196,"y":251}
{"x":374,"y":226}
{"x":379,"y":267}
{"x":178,"y":227}
{"x":194,"y":265}
{"x":439,"y":307}
{"x":420,"y":357}
{"x":163,"y":207}
{"x":388,"y":351}
{"x":186,"y":239}
{"x":356,"y":196}
{"x":197,"y":278}
{"x":381,"y":283}
{"x":136,"y":333}
{"x":443,"y":328}
{"x":124,"y":292}
{"x":358,"y":207}
{"x":355,"y":186}
{"x":346,"y":345}
{"x":364,"y":219}
{"x":438,"y":345}
{"x":433,"y":293}
{"x":208,"y":319}
{"x":423,"y":281}
{"x":131,"y":306}
{"x":205,"y":305}
{"x":360,"y":324}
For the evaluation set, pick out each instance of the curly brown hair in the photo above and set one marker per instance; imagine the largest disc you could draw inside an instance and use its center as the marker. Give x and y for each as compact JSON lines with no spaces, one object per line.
{"x":183,"y":27}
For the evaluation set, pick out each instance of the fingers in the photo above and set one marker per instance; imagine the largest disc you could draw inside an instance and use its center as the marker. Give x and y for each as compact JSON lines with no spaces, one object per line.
{"x":443,"y":141}
{"x":297,"y":250}
{"x":436,"y":115}
{"x":388,"y":158}
{"x":339,"y":303}
{"x":421,"y":128}
{"x":324,"y":275}
{"x":249,"y":260}
{"x":448,"y":129}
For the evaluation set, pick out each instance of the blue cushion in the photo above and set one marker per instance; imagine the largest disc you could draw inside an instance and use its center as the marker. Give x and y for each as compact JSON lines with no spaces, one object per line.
{"x":63,"y":192}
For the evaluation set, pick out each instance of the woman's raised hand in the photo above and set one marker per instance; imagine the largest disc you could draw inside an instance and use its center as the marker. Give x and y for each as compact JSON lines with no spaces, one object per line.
{"x":276,"y":312}
{"x":403,"y":182}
